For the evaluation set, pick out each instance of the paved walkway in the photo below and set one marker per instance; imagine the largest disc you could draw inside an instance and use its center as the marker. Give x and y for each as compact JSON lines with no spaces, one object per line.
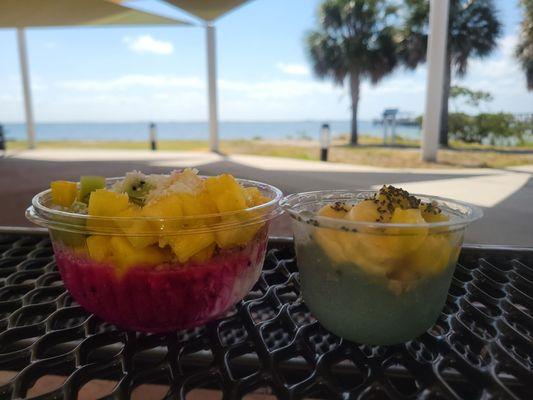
{"x":505,"y":195}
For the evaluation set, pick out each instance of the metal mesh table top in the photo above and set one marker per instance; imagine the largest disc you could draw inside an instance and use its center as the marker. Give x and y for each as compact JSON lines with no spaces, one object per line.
{"x":480,"y":348}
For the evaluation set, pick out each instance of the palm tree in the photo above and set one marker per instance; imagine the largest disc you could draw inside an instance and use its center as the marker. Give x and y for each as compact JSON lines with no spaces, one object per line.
{"x":524,"y":51}
{"x":354,"y":40}
{"x":473,"y":31}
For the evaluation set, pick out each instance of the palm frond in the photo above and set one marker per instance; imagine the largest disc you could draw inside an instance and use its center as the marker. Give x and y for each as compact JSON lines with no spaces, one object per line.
{"x":474,"y":29}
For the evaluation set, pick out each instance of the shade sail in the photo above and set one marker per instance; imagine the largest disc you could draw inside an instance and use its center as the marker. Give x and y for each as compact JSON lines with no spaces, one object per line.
{"x":207,"y":10}
{"x":42,"y":13}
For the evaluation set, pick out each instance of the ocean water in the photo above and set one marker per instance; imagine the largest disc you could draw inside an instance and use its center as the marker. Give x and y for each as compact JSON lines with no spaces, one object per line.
{"x":138,"y":131}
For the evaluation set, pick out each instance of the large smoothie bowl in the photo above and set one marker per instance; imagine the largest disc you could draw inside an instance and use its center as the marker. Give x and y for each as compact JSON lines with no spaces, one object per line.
{"x":375,"y":266}
{"x":156,"y":253}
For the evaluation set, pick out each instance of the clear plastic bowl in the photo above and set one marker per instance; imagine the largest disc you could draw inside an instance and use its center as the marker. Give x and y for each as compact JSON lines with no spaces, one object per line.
{"x":159,"y":296}
{"x":371,"y":282}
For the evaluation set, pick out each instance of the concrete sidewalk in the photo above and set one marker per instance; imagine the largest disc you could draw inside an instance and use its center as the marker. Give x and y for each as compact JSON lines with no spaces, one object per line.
{"x":505,"y":195}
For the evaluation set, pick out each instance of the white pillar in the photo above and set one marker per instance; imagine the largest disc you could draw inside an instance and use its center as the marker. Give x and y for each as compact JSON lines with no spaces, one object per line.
{"x":28,"y":107}
{"x":436,"y":55}
{"x":212,"y":87}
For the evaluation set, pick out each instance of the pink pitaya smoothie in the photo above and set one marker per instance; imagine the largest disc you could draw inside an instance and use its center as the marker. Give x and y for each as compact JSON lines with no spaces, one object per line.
{"x":165,"y":297}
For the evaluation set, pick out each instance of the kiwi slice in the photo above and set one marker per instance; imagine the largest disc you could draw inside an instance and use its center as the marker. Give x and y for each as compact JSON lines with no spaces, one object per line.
{"x":137,"y":190}
{"x":89,"y":184}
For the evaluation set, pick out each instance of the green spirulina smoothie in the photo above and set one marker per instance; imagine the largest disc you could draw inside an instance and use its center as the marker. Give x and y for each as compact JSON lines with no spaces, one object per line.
{"x":363,"y":308}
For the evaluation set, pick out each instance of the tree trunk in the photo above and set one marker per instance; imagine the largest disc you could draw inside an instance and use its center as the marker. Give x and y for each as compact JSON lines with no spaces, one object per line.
{"x":354,"y":93}
{"x":443,"y":134}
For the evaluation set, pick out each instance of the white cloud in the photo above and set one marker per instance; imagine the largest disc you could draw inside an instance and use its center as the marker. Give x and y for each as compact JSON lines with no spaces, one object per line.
{"x":273,"y":89}
{"x":147,"y":44}
{"x":132,"y":81}
{"x":500,"y":66}
{"x":277,"y":89}
{"x":502,"y":77}
{"x":293,"y":69}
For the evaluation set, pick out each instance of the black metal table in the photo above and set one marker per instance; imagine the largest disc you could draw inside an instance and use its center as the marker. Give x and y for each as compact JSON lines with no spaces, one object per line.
{"x":480,"y":348}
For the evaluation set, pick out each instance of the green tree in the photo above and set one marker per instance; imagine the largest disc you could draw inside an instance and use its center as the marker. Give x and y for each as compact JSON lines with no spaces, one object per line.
{"x":473,"y":31}
{"x":524,"y":51}
{"x":354,"y":40}
{"x":472,"y":97}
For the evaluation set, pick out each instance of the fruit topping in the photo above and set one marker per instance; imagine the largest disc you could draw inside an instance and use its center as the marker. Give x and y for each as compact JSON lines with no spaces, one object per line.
{"x":157,"y":219}
{"x":88,"y":184}
{"x":398,"y":254}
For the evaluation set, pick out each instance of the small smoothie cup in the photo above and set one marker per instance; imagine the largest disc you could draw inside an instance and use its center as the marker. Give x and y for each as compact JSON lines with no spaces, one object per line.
{"x":156,"y":292}
{"x":371,"y":282}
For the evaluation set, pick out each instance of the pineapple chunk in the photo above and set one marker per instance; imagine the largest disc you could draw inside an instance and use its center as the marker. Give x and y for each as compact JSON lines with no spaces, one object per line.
{"x":388,"y":245}
{"x":226,"y":193}
{"x":328,"y":241}
{"x":365,"y":211}
{"x":64,"y":192}
{"x":126,"y":256}
{"x":435,"y":254}
{"x":187,"y":245}
{"x":433,"y":214}
{"x":99,"y":248}
{"x":336,"y":210}
{"x":337,"y":244}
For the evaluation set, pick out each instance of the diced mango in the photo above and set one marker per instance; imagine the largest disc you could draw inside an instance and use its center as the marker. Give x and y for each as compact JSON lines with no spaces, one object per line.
{"x":125,"y":255}
{"x":105,"y":203}
{"x":203,"y":255}
{"x":99,"y":248}
{"x":254,"y":197}
{"x":238,"y":235}
{"x":206,"y":200}
{"x":166,"y":207}
{"x":230,"y":201}
{"x":226,"y":192}
{"x":133,"y":227}
{"x":64,"y":192}
{"x":185,"y":246}
{"x":196,"y":205}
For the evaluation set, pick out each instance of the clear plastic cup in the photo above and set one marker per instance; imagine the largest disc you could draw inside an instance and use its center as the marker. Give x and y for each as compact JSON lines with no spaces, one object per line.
{"x":372,"y":282}
{"x":143,"y":287}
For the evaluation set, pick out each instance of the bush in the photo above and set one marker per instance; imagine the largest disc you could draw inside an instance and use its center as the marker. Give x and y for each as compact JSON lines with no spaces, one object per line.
{"x":499,"y":128}
{"x":461,"y":126}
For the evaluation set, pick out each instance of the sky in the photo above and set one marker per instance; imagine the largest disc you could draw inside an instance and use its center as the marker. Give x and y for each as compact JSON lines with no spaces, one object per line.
{"x":159,"y":73}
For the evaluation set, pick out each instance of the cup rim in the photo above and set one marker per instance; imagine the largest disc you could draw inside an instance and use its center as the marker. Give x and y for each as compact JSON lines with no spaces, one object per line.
{"x":288,"y":204}
{"x":43,"y":215}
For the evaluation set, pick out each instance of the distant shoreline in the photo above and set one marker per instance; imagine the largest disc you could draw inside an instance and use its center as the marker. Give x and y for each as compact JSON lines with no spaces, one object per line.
{"x":138,"y":131}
